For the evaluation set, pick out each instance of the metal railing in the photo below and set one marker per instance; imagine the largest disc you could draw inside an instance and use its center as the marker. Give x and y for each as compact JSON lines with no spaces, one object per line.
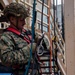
{"x":60,"y":46}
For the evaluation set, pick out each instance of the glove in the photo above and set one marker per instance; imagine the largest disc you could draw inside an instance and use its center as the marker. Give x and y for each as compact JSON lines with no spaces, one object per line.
{"x":45,"y":43}
{"x":39,"y":38}
{"x":34,"y":45}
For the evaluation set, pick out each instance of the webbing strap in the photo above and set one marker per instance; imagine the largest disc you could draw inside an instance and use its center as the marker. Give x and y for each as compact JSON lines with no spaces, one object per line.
{"x":13,"y":30}
{"x":18,"y":33}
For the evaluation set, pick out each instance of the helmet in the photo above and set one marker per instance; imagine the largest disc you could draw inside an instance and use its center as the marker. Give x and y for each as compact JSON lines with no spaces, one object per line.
{"x":16,"y":9}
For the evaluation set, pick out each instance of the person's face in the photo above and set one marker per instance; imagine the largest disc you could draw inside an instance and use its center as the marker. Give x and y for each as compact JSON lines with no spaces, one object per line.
{"x":18,"y":22}
{"x":21,"y":23}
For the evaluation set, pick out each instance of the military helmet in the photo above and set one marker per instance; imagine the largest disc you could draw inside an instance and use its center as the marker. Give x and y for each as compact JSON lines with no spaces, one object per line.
{"x":16,"y":9}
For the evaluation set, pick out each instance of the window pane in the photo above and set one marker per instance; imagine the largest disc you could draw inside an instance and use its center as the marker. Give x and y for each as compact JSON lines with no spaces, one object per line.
{"x":45,"y":19}
{"x":45,"y":28}
{"x":45,"y":1}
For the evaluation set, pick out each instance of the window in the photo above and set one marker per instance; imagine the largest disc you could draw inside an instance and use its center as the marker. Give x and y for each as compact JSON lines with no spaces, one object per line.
{"x":45,"y":28}
{"x":45,"y":1}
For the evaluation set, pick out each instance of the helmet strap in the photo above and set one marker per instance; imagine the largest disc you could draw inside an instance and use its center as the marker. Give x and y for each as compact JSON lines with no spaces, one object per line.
{"x":16,"y":25}
{"x":17,"y":22}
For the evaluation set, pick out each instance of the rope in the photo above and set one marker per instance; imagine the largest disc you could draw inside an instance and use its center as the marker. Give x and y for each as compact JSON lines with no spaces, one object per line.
{"x":33,"y":35}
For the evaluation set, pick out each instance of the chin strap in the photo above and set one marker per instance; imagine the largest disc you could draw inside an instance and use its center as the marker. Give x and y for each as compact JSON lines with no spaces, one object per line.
{"x":16,"y":25}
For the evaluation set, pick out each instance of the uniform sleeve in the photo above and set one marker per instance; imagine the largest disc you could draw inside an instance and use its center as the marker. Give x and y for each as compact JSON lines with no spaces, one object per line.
{"x":11,"y":55}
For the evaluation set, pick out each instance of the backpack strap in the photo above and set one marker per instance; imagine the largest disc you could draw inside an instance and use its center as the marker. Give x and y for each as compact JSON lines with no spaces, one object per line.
{"x":18,"y":33}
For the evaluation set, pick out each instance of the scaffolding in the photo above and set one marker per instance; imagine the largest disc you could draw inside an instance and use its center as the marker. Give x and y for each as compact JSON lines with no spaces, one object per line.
{"x":59,"y":60}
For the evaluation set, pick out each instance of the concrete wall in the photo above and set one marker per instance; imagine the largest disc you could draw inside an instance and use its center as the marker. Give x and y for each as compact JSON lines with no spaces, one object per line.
{"x":70,"y":36}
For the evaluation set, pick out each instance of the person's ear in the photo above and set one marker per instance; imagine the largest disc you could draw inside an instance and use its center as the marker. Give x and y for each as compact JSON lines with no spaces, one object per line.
{"x":11,"y":18}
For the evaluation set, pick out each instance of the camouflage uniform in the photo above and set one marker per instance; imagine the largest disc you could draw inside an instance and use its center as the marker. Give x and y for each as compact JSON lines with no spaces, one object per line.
{"x":13,"y":49}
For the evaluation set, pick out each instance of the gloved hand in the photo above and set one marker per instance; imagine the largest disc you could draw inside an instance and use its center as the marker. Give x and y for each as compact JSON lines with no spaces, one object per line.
{"x":39,"y":38}
{"x":34,"y":45}
{"x":45,"y":43}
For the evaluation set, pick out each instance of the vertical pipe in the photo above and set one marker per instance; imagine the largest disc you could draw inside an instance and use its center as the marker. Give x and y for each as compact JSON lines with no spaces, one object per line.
{"x":62,"y":15}
{"x":56,"y":49}
{"x":49,"y":4}
{"x":54,"y":15}
{"x":42,"y":16}
{"x":56,"y":12}
{"x":54,"y":35}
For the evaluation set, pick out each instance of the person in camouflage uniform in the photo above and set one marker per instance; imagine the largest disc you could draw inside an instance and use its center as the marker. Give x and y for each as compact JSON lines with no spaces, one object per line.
{"x":13,"y":49}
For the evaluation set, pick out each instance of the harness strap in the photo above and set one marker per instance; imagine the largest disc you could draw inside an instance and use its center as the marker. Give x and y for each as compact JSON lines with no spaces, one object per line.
{"x":18,"y":33}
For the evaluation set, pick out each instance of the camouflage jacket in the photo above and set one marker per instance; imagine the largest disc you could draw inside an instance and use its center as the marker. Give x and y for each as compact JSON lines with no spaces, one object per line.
{"x":13,"y":49}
